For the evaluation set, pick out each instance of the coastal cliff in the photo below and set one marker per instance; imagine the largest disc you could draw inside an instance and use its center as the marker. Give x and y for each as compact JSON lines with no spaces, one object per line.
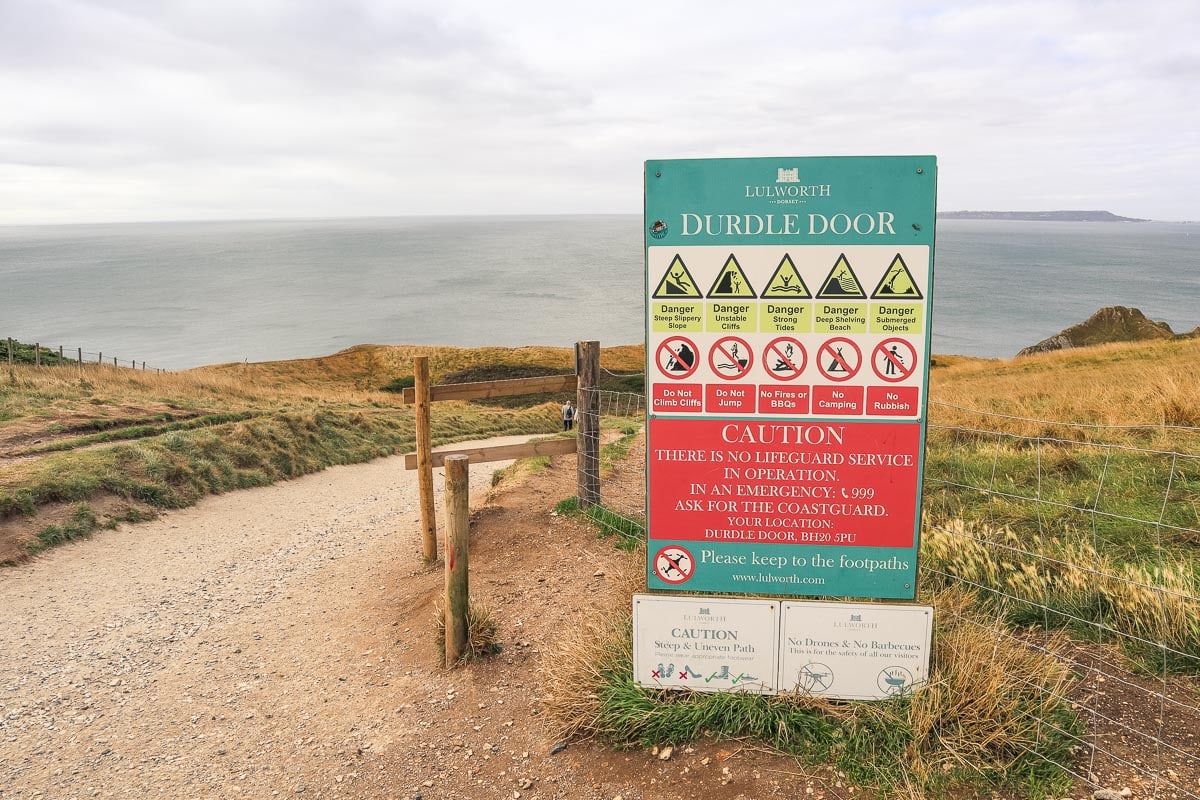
{"x":1109,"y":324}
{"x":1041,"y":216}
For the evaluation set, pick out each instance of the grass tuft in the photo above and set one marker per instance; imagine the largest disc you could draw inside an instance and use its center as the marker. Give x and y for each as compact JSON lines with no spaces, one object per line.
{"x":1069,"y":584}
{"x":482,"y":633}
{"x":80,"y":525}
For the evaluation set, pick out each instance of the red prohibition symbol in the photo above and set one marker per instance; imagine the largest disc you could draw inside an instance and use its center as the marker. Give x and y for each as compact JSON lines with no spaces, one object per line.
{"x":674,"y":564}
{"x":894,"y":360}
{"x":839,"y":359}
{"x":784,"y":358}
{"x":731,"y":358}
{"x":677,"y":357}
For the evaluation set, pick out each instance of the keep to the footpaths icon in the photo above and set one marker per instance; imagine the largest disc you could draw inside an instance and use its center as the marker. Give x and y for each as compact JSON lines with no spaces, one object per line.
{"x":784,"y":358}
{"x":730,"y":358}
{"x":674,"y":564}
{"x":839,"y":359}
{"x":677,"y":358}
{"x":894,"y":360}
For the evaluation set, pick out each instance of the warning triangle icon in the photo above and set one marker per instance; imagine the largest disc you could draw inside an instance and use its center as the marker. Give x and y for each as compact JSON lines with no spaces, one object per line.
{"x":731,"y":281}
{"x":897,"y":283}
{"x":842,"y":282}
{"x":786,"y":282}
{"x":678,"y":282}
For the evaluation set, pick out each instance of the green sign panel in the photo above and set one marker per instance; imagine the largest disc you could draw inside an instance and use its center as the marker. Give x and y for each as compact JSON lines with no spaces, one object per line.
{"x":788,"y":303}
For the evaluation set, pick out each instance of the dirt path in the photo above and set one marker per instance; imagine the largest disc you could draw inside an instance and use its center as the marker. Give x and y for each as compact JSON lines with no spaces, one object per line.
{"x":281,"y":641}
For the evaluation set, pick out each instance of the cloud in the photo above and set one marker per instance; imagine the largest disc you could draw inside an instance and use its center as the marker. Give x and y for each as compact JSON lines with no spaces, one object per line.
{"x":137,"y":110}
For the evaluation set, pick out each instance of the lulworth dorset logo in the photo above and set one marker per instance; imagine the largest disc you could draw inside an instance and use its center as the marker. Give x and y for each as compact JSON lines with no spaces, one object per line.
{"x":788,"y":188}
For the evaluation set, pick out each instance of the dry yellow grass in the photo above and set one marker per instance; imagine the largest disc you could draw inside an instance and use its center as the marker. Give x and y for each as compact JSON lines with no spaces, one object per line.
{"x":373,"y":365}
{"x":1144,"y":383}
{"x":1157,"y":603}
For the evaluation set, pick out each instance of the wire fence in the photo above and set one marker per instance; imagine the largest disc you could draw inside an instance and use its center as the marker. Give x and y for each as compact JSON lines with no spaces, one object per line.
{"x":39,"y":355}
{"x":1082,"y":550}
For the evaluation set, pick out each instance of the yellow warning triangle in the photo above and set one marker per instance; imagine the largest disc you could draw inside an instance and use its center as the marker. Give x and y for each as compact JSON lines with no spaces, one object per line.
{"x":731,"y":281}
{"x":678,"y":282}
{"x":897,"y":283}
{"x":842,"y":282}
{"x":786,"y":282}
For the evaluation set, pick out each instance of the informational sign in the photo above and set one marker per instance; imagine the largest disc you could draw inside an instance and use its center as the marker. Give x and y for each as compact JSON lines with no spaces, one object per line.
{"x":705,"y":644}
{"x":849,"y":651}
{"x":854,"y":651}
{"x":788,"y":325}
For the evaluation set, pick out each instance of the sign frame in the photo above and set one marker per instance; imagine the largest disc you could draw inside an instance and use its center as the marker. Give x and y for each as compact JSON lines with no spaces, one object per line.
{"x":861,"y":221}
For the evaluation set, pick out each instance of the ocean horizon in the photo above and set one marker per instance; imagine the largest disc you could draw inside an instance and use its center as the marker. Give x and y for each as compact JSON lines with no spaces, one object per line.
{"x":183,"y":294}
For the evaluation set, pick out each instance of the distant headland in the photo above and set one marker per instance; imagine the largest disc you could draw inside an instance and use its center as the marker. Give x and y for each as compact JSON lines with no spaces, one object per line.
{"x":1040,"y":216}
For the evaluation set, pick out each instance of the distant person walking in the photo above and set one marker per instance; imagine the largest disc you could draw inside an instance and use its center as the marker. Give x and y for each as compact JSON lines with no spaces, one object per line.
{"x":568,"y":415}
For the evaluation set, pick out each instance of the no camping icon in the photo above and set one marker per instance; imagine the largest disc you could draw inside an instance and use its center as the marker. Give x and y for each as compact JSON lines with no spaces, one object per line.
{"x":839,"y":359}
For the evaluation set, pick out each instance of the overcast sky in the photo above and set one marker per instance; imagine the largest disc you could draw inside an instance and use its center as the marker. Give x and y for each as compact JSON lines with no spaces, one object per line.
{"x":166,"y":109}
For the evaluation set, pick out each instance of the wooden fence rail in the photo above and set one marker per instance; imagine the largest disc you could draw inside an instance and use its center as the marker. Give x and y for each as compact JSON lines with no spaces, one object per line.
{"x":504,"y":452}
{"x":487,"y":389}
{"x":585,"y":442}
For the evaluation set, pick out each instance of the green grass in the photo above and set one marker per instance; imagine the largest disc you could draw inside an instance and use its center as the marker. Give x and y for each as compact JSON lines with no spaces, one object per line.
{"x":1067,"y":487}
{"x":628,"y":534}
{"x":1087,"y":538}
{"x":399,"y":384}
{"x":615,"y":451}
{"x":30,"y":354}
{"x":174,"y":468}
{"x":116,"y":430}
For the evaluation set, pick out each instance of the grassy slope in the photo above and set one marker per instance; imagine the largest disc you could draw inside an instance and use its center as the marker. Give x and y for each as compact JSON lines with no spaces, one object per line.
{"x":1092,"y":525}
{"x":82,"y":447}
{"x":1117,"y":384}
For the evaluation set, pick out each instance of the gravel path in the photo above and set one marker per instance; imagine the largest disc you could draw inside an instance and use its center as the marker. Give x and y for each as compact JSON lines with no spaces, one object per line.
{"x":280,"y":642}
{"x":175,"y":658}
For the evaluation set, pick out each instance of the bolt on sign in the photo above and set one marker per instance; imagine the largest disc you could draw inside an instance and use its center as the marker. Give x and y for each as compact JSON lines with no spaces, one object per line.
{"x":787,"y":328}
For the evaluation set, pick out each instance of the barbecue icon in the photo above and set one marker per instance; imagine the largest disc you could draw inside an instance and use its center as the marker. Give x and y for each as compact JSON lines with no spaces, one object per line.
{"x":895,"y":681}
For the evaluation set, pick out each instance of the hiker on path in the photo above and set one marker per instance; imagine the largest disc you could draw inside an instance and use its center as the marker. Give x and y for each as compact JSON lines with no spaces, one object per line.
{"x":568,"y":415}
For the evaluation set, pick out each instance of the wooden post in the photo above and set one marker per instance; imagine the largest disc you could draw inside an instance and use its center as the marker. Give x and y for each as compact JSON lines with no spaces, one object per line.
{"x":79,"y":357}
{"x":99,"y":358}
{"x":587,"y":424}
{"x":458,"y":534}
{"x":425,"y":458}
{"x":114,"y":361}
{"x":60,"y":358}
{"x":37,"y":354}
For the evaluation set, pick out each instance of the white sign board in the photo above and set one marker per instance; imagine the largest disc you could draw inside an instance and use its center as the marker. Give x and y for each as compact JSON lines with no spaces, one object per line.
{"x":706,"y":644}
{"x":854,"y":651}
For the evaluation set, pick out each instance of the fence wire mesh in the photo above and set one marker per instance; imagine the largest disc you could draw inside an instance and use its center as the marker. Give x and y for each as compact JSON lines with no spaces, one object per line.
{"x":1080,"y":548}
{"x":45,"y":355}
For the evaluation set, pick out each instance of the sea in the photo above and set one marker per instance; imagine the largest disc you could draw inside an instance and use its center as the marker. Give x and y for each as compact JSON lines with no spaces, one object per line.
{"x":175,"y":295}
